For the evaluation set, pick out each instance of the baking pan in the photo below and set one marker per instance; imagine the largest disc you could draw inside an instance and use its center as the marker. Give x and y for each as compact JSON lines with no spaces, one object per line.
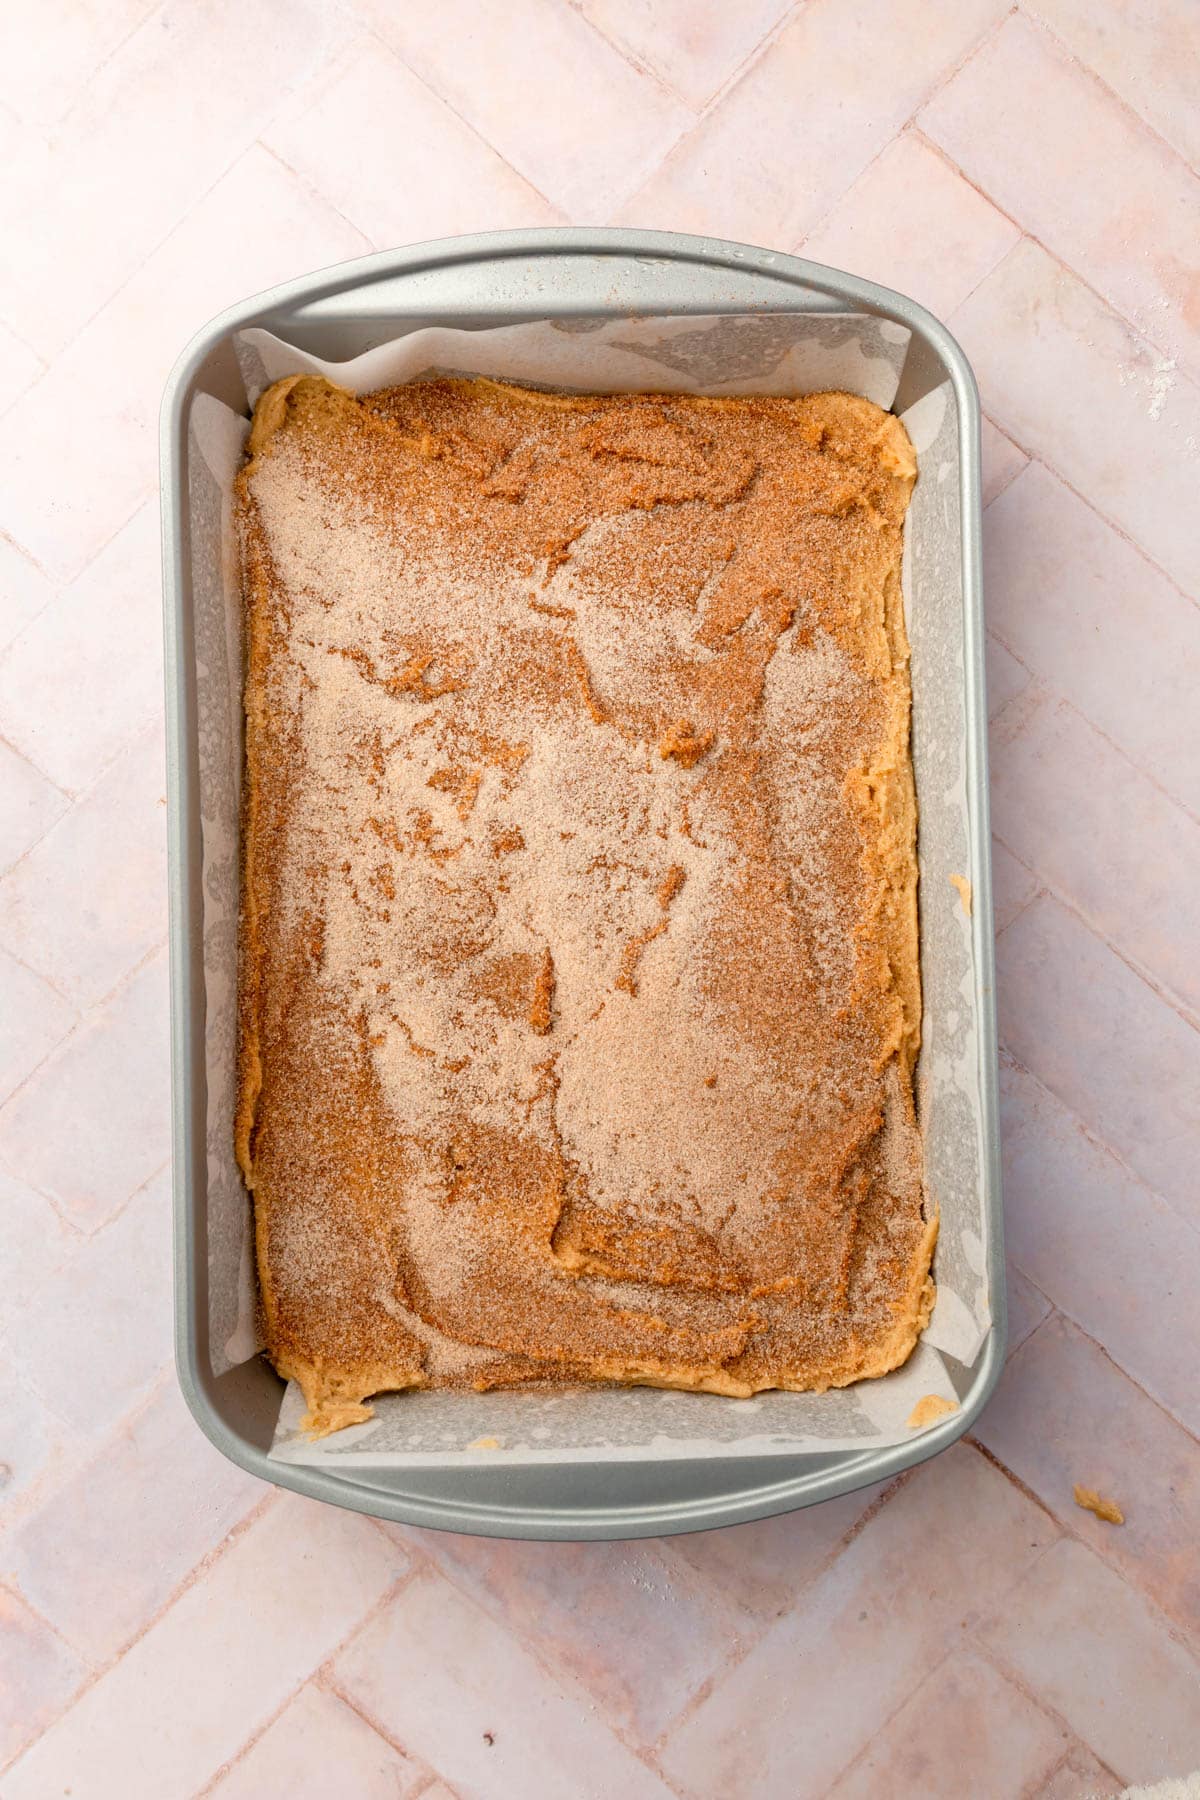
{"x":580,"y":277}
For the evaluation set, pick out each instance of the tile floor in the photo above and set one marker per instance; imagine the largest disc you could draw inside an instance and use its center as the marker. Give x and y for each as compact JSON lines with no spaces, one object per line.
{"x":169,"y":1627}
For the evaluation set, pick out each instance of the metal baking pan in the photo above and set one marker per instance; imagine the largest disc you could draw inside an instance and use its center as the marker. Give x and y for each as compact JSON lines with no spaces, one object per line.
{"x":470,"y":283}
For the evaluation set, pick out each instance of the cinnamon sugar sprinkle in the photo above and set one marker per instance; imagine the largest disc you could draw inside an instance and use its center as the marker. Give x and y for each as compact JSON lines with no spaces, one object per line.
{"x":578,"y":993}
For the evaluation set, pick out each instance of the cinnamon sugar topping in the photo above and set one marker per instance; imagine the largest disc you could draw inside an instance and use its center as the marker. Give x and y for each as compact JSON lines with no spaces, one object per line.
{"x":579,"y":995}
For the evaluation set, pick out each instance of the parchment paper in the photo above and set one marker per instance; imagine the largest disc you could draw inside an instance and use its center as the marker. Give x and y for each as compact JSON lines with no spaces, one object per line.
{"x":781,"y":353}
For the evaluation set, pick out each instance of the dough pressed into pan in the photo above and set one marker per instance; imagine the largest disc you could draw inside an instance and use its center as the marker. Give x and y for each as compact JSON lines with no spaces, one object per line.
{"x":578,"y":993}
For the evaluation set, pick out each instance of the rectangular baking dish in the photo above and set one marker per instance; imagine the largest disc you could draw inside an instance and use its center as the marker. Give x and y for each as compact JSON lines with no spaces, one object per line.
{"x":475,"y":283}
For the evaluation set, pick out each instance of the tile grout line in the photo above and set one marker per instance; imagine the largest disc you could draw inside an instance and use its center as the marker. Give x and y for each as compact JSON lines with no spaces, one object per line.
{"x":1191,"y":375}
{"x":829,"y":211}
{"x":754,"y":55}
{"x":311,"y":1677}
{"x":712,"y":1682}
{"x":969,"y":54}
{"x":1064,"y":1314}
{"x":1187,"y":1640}
{"x":723,"y":93}
{"x":6,"y":743}
{"x":19,"y":549}
{"x":910,"y":130}
{"x":796,"y":13}
{"x":1113,"y":1363}
{"x":1052,"y":469}
{"x":152,"y":8}
{"x":1093,"y":1137}
{"x":1114,"y":525}
{"x":15,"y":1592}
{"x":45,"y":1490}
{"x":1023,"y":1487}
{"x":565,"y":1679}
{"x":20,"y":338}
{"x":1016,"y":474}
{"x":1077,"y":1742}
{"x":209,"y":1560}
{"x":1057,"y":696}
{"x":85,"y":1017}
{"x":628,"y":54}
{"x":398,"y":56}
{"x":46,"y":980}
{"x":178,"y":222}
{"x":315,"y":193}
{"x":62,"y":583}
{"x":1009,"y":1673}
{"x":7,"y":1168}
{"x":963,"y":1636}
{"x":962,"y":1633}
{"x":1038,"y":23}
{"x":1161,"y":989}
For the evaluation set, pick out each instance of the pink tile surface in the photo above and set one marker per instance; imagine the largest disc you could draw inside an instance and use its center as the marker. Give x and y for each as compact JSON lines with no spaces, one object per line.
{"x":911,"y":222}
{"x":450,"y":180}
{"x":1072,"y":380}
{"x":86,"y":904}
{"x":68,"y":492}
{"x":863,"y":1637}
{"x":231,"y":1649}
{"x":1056,"y":785}
{"x":95,"y":1333}
{"x":98,"y":1576}
{"x":34,"y":1017}
{"x":1080,"y":1776}
{"x":694,"y":49}
{"x":585,"y":94}
{"x":36,"y":1241}
{"x":126,"y":113}
{"x":1002,"y":460}
{"x":91,"y":1124}
{"x":101,"y":636}
{"x":41,"y":1674}
{"x":29,"y":804}
{"x":1132,"y":236}
{"x":31,"y":1441}
{"x":1146,"y":51}
{"x":1082,"y":1638}
{"x":1006,"y":676}
{"x":1066,"y":999}
{"x":805,"y":120}
{"x":44,"y":72}
{"x":767,"y":1564}
{"x":319,"y":1746}
{"x":19,"y":366}
{"x":24,"y":590}
{"x":961,"y":1727}
{"x":1029,"y":172}
{"x":1072,"y":1210}
{"x":1065,"y":1413}
{"x":1078,"y":604}
{"x":639,"y":1627}
{"x":1013,"y":885}
{"x":1027,"y":1307}
{"x":432,"y":1654}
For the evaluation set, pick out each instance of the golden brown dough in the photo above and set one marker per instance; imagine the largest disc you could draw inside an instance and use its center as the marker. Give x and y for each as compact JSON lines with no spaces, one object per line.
{"x":579,"y":995}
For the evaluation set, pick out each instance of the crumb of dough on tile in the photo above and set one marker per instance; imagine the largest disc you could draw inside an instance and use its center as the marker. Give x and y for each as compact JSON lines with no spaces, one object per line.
{"x":1096,"y":1503}
{"x":928,"y":1410}
{"x":963,"y":889}
{"x":485,"y":1443}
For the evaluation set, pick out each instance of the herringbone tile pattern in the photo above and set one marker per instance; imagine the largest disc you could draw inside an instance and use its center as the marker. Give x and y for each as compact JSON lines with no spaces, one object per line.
{"x":170,"y":1628}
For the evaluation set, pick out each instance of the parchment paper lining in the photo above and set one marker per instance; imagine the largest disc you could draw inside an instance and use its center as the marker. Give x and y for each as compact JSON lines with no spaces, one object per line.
{"x":778,"y":353}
